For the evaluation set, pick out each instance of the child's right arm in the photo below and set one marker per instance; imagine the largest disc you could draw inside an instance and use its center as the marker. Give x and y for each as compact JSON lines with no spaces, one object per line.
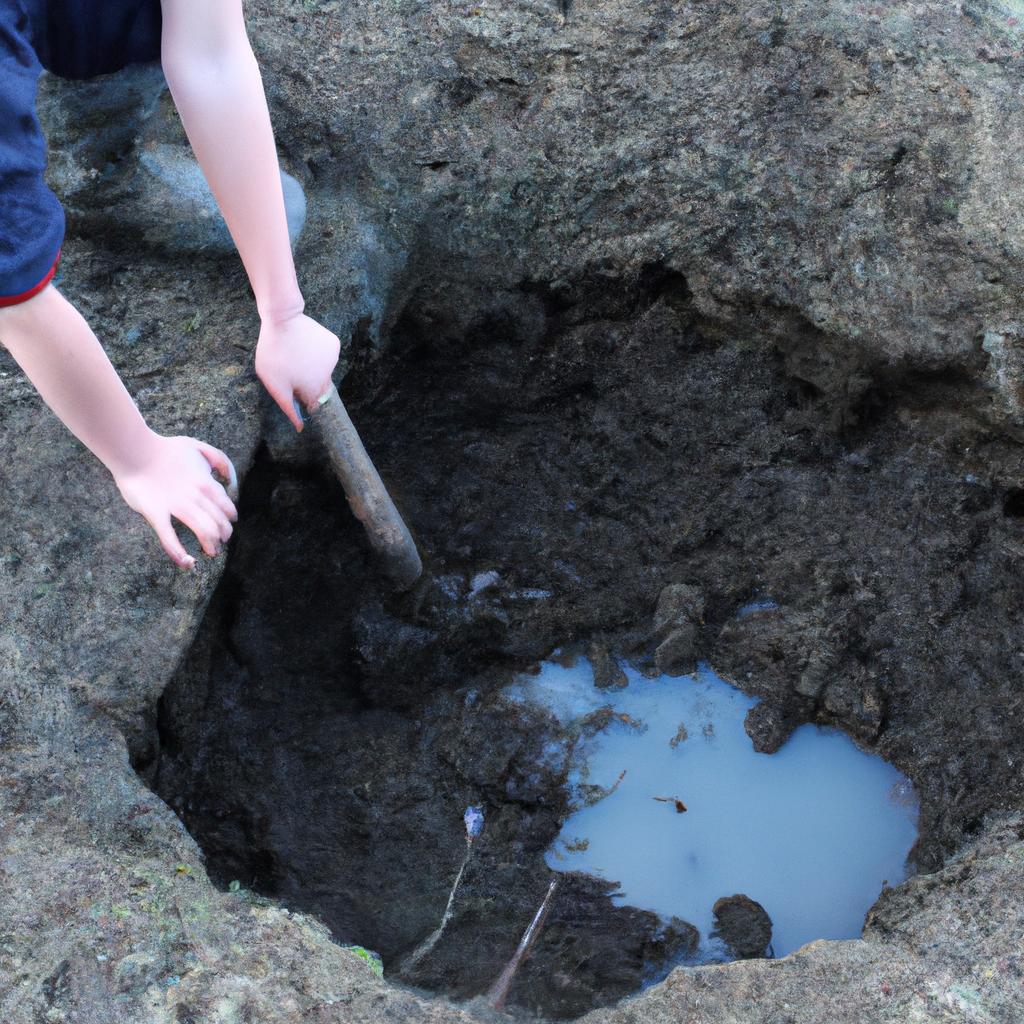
{"x":159,"y":477}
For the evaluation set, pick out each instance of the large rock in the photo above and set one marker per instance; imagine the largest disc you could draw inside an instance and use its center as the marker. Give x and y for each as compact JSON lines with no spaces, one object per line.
{"x":122,"y":165}
{"x":172,"y":192}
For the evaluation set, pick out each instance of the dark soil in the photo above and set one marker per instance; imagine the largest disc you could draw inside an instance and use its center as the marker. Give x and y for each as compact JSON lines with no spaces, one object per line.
{"x":585,"y":448}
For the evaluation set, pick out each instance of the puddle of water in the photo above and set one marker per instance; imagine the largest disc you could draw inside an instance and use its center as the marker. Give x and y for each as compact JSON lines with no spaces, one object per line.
{"x":811,"y":832}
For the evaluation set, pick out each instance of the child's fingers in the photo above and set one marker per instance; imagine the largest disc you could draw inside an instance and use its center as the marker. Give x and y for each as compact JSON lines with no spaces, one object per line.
{"x":322,"y":392}
{"x":202,"y":525}
{"x":170,"y":543}
{"x":309,"y":399}
{"x":286,"y":403}
{"x":216,"y":494}
{"x":216,"y":513}
{"x":220,"y":462}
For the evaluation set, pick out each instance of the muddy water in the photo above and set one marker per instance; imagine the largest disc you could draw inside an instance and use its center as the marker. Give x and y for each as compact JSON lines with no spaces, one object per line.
{"x":672,"y":802}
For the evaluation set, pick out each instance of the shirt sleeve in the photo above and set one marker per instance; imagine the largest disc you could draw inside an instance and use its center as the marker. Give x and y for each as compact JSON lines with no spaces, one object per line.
{"x":31,"y":217}
{"x":86,"y":38}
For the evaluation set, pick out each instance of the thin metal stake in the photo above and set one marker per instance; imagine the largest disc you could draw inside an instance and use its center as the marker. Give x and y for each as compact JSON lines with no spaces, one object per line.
{"x":499,"y":990}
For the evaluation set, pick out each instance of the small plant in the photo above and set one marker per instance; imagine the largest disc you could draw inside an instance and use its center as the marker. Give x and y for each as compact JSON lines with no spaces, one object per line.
{"x":473,"y":819}
{"x":373,"y":959}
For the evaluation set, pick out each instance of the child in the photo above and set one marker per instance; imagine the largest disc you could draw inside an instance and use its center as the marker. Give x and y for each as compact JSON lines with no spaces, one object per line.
{"x":216,"y":86}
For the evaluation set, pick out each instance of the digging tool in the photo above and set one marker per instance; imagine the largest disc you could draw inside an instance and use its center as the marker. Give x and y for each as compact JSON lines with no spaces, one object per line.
{"x":367,"y":496}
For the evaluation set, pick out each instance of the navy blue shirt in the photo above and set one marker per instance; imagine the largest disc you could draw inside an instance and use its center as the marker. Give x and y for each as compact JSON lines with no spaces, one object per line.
{"x":72,"y":39}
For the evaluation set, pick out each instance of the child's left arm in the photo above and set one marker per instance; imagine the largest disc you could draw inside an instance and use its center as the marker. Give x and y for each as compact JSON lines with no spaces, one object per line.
{"x":216,"y":85}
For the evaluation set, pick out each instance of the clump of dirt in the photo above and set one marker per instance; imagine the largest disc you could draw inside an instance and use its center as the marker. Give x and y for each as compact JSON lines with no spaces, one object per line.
{"x":562,"y":458}
{"x":744,"y":925}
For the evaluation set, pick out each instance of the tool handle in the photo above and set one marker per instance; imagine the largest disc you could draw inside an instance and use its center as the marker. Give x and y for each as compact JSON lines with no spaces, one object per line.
{"x":365,"y":490}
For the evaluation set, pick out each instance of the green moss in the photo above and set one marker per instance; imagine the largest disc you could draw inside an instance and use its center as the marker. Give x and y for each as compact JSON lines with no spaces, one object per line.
{"x":373,"y":959}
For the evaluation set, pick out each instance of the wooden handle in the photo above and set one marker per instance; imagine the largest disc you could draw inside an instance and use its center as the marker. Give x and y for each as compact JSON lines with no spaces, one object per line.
{"x":367,"y":496}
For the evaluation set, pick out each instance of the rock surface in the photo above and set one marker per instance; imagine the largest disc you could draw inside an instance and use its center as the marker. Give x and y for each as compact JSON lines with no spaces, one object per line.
{"x":812,"y":208}
{"x":172,"y":190}
{"x":743,"y":925}
{"x":123,"y":167}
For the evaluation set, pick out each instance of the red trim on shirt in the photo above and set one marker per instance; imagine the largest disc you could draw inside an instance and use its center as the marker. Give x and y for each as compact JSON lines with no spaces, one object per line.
{"x":11,"y":300}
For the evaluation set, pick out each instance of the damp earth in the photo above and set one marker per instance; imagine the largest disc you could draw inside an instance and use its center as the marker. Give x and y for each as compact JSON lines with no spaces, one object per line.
{"x":597,"y":469}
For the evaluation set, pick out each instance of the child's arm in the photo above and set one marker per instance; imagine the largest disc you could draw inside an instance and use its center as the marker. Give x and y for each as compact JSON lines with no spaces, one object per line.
{"x":157,"y":476}
{"x":216,"y":85}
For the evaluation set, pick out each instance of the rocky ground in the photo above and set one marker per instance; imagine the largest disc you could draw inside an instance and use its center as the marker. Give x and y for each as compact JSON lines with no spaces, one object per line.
{"x":637,"y":295}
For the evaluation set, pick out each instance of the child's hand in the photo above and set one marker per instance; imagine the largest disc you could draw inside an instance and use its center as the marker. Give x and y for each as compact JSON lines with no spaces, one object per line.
{"x":296,"y":356}
{"x":174,"y":478}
